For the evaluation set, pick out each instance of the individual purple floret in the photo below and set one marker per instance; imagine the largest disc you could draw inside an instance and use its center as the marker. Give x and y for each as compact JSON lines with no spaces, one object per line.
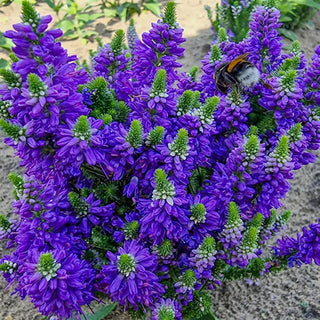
{"x":166,"y":309}
{"x":129,"y":277}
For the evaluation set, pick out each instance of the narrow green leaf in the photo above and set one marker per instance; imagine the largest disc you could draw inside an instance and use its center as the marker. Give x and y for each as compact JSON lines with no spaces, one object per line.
{"x":288,"y":34}
{"x":101,"y":313}
{"x":50,"y":4}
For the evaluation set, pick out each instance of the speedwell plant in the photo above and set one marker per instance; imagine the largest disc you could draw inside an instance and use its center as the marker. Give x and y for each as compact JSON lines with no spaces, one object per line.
{"x":145,"y":185}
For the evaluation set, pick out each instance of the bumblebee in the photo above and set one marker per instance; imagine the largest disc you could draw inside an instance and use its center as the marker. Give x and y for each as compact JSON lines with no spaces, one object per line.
{"x":237,"y":73}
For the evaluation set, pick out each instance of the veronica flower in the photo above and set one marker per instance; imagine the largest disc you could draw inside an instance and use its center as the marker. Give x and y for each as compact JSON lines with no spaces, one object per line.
{"x":247,"y":250}
{"x":164,"y":215}
{"x":122,"y":145}
{"x":89,"y":212}
{"x":129,"y":228}
{"x":233,"y":110}
{"x":263,"y":35}
{"x":129,"y":277}
{"x":81,"y":141}
{"x":204,"y":220}
{"x":185,"y":286}
{"x":9,"y":268}
{"x":159,"y":49}
{"x":58,"y":282}
{"x":231,"y":235}
{"x":203,"y":257}
{"x":132,"y":35}
{"x":166,"y":309}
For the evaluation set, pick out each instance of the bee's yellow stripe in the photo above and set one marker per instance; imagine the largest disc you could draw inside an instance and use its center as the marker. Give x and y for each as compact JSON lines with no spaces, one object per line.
{"x":234,"y":63}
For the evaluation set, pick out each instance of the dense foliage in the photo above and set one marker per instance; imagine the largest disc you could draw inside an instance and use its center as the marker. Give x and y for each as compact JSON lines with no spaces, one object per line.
{"x":147,"y":185}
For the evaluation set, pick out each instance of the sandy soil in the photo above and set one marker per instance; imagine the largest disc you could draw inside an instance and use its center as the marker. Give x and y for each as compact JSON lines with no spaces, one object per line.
{"x":291,"y":295}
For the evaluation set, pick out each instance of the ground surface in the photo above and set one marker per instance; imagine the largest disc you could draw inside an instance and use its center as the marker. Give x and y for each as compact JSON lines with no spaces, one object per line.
{"x":292,"y":295}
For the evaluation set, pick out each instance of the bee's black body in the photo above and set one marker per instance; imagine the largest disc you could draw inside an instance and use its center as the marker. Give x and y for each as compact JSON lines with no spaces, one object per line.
{"x":236,"y":74}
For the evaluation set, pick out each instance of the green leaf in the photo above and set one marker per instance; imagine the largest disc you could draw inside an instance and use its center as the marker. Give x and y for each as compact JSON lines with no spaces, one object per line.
{"x":50,"y":4}
{"x":89,"y":17}
{"x":110,"y":13}
{"x":88,"y":33}
{"x":122,"y":12}
{"x":288,"y":34}
{"x":308,"y":3}
{"x":101,"y":313}
{"x":65,"y":25}
{"x":285,"y":19}
{"x":153,"y":6}
{"x":5,"y":43}
{"x":3,"y":63}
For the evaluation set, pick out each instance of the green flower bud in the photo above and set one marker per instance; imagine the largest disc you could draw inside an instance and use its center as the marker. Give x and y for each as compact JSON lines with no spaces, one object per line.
{"x":164,"y":250}
{"x":222,"y":35}
{"x":48,"y":266}
{"x":155,"y":136}
{"x":184,"y":102}
{"x":82,"y":129}
{"x":5,"y":224}
{"x":18,"y":183}
{"x":80,"y":207}
{"x":135,"y":134}
{"x":159,"y":84}
{"x":208,"y":247}
{"x":12,"y":79}
{"x":215,"y":53}
{"x":251,"y":148}
{"x":170,"y":14}
{"x":179,"y":146}
{"x":250,"y":240}
{"x":13,"y":131}
{"x":193,"y":72}
{"x":188,"y":279}
{"x":131,"y":230}
{"x":198,"y":213}
{"x":256,"y":221}
{"x":164,"y":189}
{"x":4,"y":106}
{"x":234,"y":219}
{"x":36,"y":87}
{"x":295,"y":47}
{"x":282,"y":152}
{"x":8,"y":267}
{"x":117,"y":42}
{"x":295,"y":133}
{"x":30,"y":15}
{"x":126,"y":264}
{"x":268,"y":223}
{"x":288,"y":80}
{"x":206,"y":111}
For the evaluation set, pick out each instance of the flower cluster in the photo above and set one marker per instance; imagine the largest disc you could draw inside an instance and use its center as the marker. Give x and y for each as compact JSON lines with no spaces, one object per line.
{"x":147,"y":185}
